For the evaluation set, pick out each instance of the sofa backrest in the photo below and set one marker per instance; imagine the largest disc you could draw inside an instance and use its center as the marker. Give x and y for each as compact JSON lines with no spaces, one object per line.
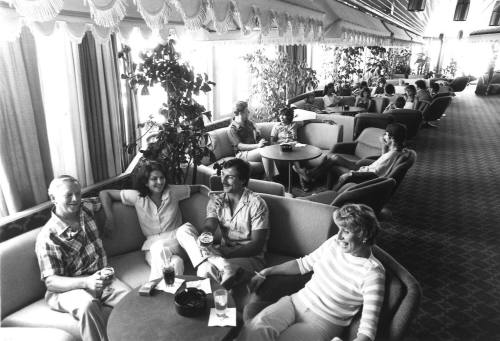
{"x":322,"y":135}
{"x":298,"y":227}
{"x":20,"y":282}
{"x":368,"y":143}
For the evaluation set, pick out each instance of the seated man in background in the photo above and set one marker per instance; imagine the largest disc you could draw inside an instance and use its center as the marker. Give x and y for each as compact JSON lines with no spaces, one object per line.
{"x":243,"y":218}
{"x":398,"y":104}
{"x":310,"y":104}
{"x":71,"y":257}
{"x":393,"y":142}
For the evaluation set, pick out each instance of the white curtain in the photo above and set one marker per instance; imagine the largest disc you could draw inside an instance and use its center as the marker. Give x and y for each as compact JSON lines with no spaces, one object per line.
{"x":60,"y":77}
{"x":24,"y":173}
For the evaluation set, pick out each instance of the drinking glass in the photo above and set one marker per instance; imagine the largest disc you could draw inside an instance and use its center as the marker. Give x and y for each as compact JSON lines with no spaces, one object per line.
{"x":168,"y":273}
{"x":220,"y":300}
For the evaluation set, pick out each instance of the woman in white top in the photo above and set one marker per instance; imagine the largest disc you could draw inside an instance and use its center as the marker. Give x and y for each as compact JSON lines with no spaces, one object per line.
{"x":410,"y":96}
{"x":346,"y":279}
{"x":330,"y":99}
{"x":157,"y":207}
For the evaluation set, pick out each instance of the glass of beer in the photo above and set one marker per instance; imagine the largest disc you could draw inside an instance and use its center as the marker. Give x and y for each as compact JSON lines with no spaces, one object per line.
{"x":220,"y":300}
{"x":206,"y":240}
{"x":168,"y":274}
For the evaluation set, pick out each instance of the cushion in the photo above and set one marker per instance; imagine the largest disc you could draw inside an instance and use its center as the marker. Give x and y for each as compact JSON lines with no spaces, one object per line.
{"x":39,"y":334}
{"x":18,"y":257}
{"x":322,"y":135}
{"x":131,"y":268}
{"x":312,"y":225}
{"x":220,"y":143}
{"x":127,"y":236}
{"x":369,"y":143}
{"x":265,"y":129}
{"x":39,"y":314}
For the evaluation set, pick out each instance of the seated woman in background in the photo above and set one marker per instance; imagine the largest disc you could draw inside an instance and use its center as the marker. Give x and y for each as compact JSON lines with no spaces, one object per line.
{"x":422,"y":96}
{"x":330,"y":98}
{"x":246,"y":140}
{"x":346,"y":279}
{"x":390,"y":93}
{"x":393,"y":142}
{"x":379,"y":89}
{"x":410,"y":97}
{"x":157,"y":206}
{"x":398,"y":104}
{"x":360,"y":87}
{"x":364,"y":99}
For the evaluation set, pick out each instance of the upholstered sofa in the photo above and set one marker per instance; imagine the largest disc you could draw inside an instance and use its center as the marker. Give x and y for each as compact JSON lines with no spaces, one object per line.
{"x":297,"y":228}
{"x":321,"y":135}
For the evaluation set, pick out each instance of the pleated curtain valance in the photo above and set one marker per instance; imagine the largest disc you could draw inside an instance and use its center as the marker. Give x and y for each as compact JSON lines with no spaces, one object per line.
{"x":276,"y":19}
{"x":399,"y":37}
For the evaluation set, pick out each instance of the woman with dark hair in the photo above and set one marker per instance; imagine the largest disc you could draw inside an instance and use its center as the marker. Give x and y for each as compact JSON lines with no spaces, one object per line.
{"x":379,"y":89}
{"x":246,"y":140}
{"x":364,"y":99}
{"x":347,"y":279}
{"x":285,"y":130}
{"x":330,"y":98}
{"x":422,"y":96}
{"x":390,"y":93}
{"x":157,"y":207}
{"x":410,"y":96}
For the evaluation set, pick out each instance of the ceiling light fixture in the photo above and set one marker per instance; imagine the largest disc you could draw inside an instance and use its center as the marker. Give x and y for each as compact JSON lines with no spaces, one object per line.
{"x":495,"y":15}
{"x":461,"y":10}
{"x":416,"y":5}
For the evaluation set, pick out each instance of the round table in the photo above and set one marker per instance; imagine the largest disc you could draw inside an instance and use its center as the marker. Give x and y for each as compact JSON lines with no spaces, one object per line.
{"x":302,"y":153}
{"x":351,"y":111}
{"x":154,"y":317}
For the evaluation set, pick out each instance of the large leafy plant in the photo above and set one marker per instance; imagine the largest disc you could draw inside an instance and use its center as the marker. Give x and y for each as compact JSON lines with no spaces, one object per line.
{"x":275,"y":80}
{"x":180,"y":138}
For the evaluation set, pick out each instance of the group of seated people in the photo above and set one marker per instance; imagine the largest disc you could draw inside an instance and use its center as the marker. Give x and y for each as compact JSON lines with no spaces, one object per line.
{"x":71,"y":256}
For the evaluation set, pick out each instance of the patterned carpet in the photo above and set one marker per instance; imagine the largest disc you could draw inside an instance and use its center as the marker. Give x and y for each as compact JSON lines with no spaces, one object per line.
{"x":445,"y":227}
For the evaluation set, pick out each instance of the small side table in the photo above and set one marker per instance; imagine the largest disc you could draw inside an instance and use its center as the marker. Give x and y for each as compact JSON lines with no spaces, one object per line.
{"x":306,"y":152}
{"x":154,"y":317}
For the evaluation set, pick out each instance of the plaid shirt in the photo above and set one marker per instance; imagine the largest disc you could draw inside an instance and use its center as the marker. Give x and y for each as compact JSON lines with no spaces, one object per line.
{"x":62,"y":252}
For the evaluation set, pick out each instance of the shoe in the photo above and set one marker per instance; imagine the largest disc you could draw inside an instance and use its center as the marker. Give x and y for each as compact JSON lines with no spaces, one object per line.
{"x":302,"y":172}
{"x":240,"y":277}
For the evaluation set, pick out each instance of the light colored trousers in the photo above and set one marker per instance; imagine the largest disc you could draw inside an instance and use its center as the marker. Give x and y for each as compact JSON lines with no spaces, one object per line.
{"x":187,"y":235}
{"x":289,"y":320}
{"x":92,"y":313}
{"x":155,"y":256}
{"x":254,"y":155}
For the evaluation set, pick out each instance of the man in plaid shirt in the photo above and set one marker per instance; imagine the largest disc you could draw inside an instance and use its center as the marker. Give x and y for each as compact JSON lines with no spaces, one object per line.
{"x":71,"y":256}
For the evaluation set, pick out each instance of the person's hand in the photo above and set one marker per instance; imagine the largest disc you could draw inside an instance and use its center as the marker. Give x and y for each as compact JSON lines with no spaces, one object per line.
{"x":109,"y":226}
{"x":95,"y":282}
{"x":256,"y":282}
{"x":262,"y":143}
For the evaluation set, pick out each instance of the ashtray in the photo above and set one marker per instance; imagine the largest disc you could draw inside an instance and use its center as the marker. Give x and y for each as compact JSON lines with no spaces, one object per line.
{"x":190,"y":302}
{"x":286,"y":147}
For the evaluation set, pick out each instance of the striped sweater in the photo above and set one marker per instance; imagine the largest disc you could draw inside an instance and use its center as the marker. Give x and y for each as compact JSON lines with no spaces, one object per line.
{"x":341,"y":284}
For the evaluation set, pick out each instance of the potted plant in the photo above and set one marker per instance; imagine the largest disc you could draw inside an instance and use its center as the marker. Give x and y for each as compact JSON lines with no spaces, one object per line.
{"x":180,"y":138}
{"x":275,"y":80}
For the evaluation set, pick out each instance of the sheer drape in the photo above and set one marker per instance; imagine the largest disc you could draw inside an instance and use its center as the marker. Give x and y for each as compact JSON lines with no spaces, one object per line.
{"x":25,"y":169}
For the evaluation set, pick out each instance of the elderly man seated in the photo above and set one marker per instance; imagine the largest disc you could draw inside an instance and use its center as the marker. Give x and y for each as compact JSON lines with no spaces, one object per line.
{"x":243,"y":219}
{"x":73,"y":262}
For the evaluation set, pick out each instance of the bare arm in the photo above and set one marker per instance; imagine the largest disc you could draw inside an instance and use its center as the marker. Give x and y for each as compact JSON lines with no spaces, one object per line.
{"x":56,"y":283}
{"x":108,"y":196}
{"x":253,"y":248}
{"x":288,"y":268}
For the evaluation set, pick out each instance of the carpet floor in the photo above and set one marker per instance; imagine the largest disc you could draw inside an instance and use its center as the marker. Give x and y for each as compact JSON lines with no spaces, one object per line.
{"x":445,"y":226}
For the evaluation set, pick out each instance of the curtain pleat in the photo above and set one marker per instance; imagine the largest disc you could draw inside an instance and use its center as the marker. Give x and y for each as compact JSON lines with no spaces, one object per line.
{"x":24,"y":172}
{"x":93,"y":107}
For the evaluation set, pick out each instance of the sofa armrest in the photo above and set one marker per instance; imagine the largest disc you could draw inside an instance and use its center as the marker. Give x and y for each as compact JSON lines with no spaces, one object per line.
{"x":365,"y":162}
{"x":344,"y":148}
{"x":325,"y":197}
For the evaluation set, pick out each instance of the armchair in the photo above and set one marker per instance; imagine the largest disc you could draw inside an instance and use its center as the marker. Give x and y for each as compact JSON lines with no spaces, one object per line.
{"x":367,"y":145}
{"x":259,"y":186}
{"x":401,"y":300}
{"x":412,"y":119}
{"x":459,"y":84}
{"x":374,"y":192}
{"x":367,"y":120}
{"x":435,"y":109}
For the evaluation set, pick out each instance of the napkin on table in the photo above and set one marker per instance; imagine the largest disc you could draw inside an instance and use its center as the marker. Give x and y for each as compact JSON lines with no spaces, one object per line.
{"x":228,"y":320}
{"x":170,"y":289}
{"x":203,"y":284}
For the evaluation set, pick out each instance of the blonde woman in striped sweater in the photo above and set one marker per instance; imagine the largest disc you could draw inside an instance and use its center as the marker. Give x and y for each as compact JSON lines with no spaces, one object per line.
{"x":346,"y":278}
